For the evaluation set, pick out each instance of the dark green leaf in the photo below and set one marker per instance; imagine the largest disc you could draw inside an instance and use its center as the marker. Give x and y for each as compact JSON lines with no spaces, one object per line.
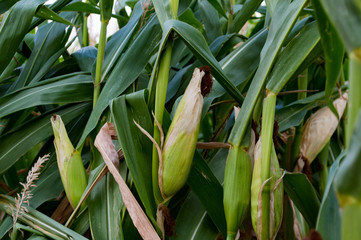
{"x":332,"y":47}
{"x":303,"y":196}
{"x":281,"y":25}
{"x":14,"y":26}
{"x":243,"y":15}
{"x":106,"y":7}
{"x":65,"y":89}
{"x":292,"y":57}
{"x":346,"y":17}
{"x":348,"y":179}
{"x":19,"y":141}
{"x":47,"y":13}
{"x":329,"y":219}
{"x":208,"y":190}
{"x":137,"y":148}
{"x":49,"y":45}
{"x":210,"y":20}
{"x":126,"y":70}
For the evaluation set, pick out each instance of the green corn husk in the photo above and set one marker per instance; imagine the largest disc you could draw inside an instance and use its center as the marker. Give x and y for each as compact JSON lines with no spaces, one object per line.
{"x":181,"y":139}
{"x":276,"y":193}
{"x":70,"y":164}
{"x":318,"y":130}
{"x":236,"y":189}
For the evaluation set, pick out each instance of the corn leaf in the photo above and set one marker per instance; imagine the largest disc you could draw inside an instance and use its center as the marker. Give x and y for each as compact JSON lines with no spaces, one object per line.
{"x":22,"y":139}
{"x":346,"y":17}
{"x":137,"y":148}
{"x":13,"y":28}
{"x":292,"y":57}
{"x":332,"y":47}
{"x":303,"y":196}
{"x":329,"y":219}
{"x":280,"y":26}
{"x":126,"y":71}
{"x":64,"y":89}
{"x":40,"y":221}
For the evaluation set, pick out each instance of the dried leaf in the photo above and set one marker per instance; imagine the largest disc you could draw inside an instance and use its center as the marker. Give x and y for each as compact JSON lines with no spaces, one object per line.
{"x":104,"y":144}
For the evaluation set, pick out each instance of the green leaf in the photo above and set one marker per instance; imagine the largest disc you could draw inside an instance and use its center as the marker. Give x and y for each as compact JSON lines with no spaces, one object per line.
{"x":81,"y":7}
{"x":137,"y":148}
{"x":6,"y":5}
{"x":125,"y":71}
{"x":39,"y":221}
{"x":117,"y":44}
{"x":106,"y":7}
{"x":239,"y":65}
{"x":64,"y":89}
{"x":346,"y":17}
{"x":292,"y":57}
{"x":303,"y":196}
{"x":218,"y":7}
{"x":210,"y":20}
{"x":197,"y":44}
{"x":22,"y":139}
{"x":332,"y":47}
{"x":281,"y":25}
{"x":192,"y":221}
{"x":13,"y":28}
{"x":88,"y":8}
{"x":208,"y":190}
{"x":47,"y":13}
{"x":49,"y":45}
{"x":243,"y":15}
{"x":163,"y":10}
{"x":329,"y":219}
{"x":348,"y":179}
{"x":104,"y":204}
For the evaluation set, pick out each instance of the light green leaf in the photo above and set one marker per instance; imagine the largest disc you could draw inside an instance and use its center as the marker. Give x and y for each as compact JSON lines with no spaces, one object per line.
{"x":282,"y":22}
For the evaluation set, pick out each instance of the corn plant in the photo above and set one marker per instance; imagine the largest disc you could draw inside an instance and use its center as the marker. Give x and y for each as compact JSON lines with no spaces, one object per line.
{"x":202,"y":119}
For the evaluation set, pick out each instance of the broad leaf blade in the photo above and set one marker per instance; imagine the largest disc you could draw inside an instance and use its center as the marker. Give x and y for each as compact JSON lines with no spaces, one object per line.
{"x":125,"y":71}
{"x":332,"y":47}
{"x":137,"y":148}
{"x":65,"y":89}
{"x":283,"y":20}
{"x":19,"y":141}
{"x":303,"y":196}
{"x":14,"y":27}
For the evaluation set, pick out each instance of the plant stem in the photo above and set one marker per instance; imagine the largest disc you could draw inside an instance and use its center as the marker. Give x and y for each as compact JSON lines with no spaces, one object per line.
{"x":302,"y":85}
{"x":268,"y":115}
{"x":85,"y":31}
{"x":354,"y":103}
{"x":323,"y":158}
{"x":100,"y":58}
{"x":160,"y":96}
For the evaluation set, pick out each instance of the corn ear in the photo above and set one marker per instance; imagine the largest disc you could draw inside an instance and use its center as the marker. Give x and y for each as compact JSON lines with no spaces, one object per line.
{"x":318,"y":130}
{"x":70,"y":164}
{"x":236,"y":189}
{"x":181,"y":139}
{"x":276,"y":193}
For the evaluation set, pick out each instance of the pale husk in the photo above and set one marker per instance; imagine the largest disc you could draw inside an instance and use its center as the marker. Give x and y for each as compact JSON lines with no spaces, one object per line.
{"x":181,"y":139}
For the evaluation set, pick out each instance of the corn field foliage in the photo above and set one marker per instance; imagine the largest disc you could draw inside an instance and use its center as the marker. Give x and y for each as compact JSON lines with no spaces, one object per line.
{"x":198,"y":119}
